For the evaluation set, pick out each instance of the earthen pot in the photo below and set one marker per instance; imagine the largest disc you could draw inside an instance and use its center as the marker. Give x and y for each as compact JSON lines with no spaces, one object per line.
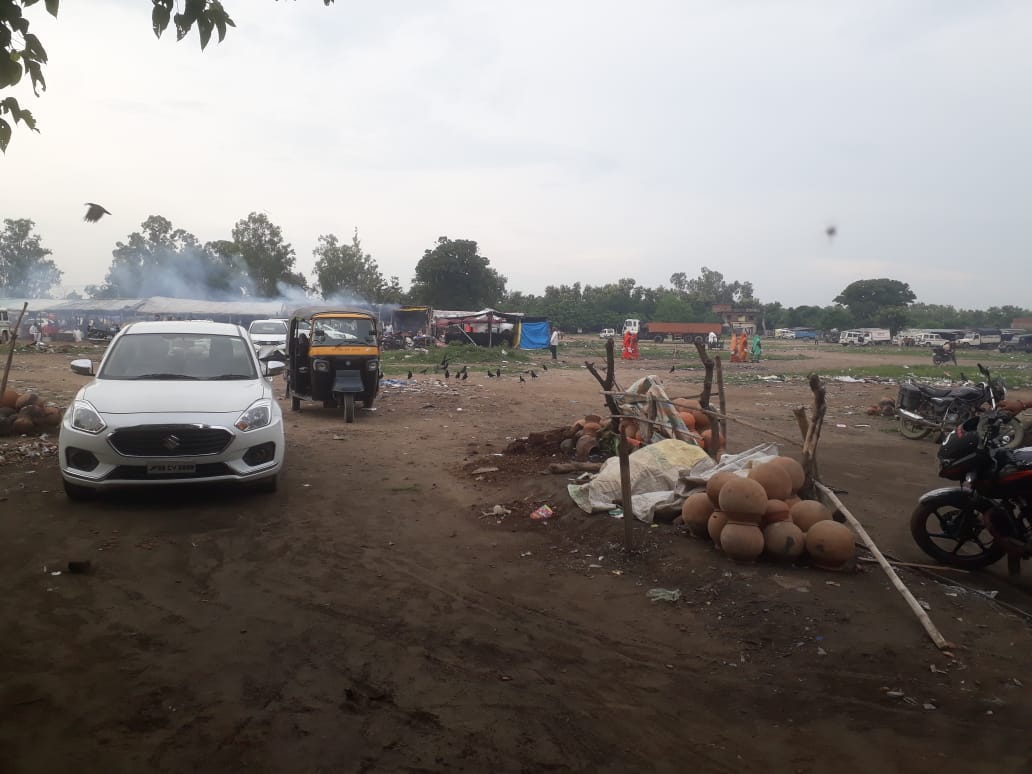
{"x":593,"y":418}
{"x":774,"y":479}
{"x":586,"y":444}
{"x":784,"y":541}
{"x":806,"y":513}
{"x":26,"y":399}
{"x":716,"y":483}
{"x":22,"y":425}
{"x":795,"y":471}
{"x":791,"y":501}
{"x":743,"y":497}
{"x":695,"y":514}
{"x":715,"y":525}
{"x":742,"y":542}
{"x":777,"y":510}
{"x":10,"y":398}
{"x":830,"y":544}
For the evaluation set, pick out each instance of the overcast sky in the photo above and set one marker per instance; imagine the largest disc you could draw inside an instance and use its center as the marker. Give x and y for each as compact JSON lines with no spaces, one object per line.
{"x":574,"y":140}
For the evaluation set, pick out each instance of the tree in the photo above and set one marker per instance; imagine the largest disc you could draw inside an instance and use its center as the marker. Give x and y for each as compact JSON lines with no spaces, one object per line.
{"x":21,"y":51}
{"x":346,"y":270}
{"x":710,"y":288}
{"x":453,"y":275}
{"x":167,"y":261}
{"x":25,"y":269}
{"x":269,"y":260}
{"x":866,"y":298}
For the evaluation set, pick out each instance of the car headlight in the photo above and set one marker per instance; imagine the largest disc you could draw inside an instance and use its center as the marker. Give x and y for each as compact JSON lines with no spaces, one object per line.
{"x":372,"y":365}
{"x":258,"y":414}
{"x":86,"y":418}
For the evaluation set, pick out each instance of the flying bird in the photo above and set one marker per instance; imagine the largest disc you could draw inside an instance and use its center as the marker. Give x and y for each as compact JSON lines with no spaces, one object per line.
{"x":831,"y":231}
{"x":94,"y":212}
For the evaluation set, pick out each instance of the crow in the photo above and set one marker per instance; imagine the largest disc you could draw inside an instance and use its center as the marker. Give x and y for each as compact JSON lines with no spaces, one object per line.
{"x":444,"y":363}
{"x":465,"y":375}
{"x":522,"y":379}
{"x":409,"y":374}
{"x":533,"y":374}
{"x":94,"y":212}
{"x":447,"y":374}
{"x":673,"y":368}
{"x":490,"y":375}
{"x":545,"y":366}
{"x":465,"y":369}
{"x":498,"y":372}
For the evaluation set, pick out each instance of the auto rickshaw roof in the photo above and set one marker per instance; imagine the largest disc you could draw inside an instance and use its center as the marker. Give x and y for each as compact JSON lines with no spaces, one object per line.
{"x":307,"y":312}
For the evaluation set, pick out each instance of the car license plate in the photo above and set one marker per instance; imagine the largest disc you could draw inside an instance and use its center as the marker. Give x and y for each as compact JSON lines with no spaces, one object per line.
{"x":171,"y":468}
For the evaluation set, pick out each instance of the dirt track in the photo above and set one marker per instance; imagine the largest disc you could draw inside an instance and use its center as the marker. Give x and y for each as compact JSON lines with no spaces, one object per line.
{"x":369,"y":618}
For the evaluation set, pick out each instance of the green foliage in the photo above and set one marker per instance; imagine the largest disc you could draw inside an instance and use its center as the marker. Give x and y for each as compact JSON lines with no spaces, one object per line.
{"x":25,"y":269}
{"x":21,"y":51}
{"x":349,"y":272}
{"x":866,"y":299}
{"x":268,"y":259}
{"x":453,"y":275}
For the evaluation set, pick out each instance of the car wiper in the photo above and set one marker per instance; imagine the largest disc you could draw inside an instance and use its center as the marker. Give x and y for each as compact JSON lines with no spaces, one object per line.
{"x":226,"y":377}
{"x":163,"y":376}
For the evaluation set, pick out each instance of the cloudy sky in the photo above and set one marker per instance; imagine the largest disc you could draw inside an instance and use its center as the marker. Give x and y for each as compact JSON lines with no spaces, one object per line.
{"x":575,"y":140}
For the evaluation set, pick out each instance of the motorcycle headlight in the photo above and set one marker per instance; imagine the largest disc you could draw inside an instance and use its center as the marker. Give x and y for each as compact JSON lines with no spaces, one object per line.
{"x":258,"y":414}
{"x":372,"y":365}
{"x":86,"y":418}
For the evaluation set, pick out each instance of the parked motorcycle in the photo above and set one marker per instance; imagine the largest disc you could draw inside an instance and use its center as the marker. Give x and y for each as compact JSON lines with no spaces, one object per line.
{"x":990,"y":514}
{"x":923,"y":409}
{"x":940,"y":356}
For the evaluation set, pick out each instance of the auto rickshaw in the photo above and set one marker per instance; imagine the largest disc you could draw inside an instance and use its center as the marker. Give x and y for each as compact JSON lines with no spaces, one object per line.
{"x":333,"y":356}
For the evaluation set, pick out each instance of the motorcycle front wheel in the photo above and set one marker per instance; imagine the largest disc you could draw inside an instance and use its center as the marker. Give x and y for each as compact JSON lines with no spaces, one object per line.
{"x":913,"y":430}
{"x":949,"y":529}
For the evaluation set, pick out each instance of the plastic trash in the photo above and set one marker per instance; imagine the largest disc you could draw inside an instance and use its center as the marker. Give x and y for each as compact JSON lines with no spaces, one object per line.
{"x":663,"y":595}
{"x":542,"y":513}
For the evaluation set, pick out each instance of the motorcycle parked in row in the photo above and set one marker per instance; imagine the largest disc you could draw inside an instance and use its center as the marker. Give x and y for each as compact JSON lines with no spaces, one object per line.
{"x":942,"y":355}
{"x":989,"y":515}
{"x":923,"y":409}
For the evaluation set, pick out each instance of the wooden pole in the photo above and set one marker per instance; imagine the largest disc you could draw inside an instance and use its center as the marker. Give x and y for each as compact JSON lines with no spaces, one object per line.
{"x":624,"y":449}
{"x":914,"y":605}
{"x":707,"y":361}
{"x":813,"y":435}
{"x":10,"y":352}
{"x":608,"y":383}
{"x":722,"y":402}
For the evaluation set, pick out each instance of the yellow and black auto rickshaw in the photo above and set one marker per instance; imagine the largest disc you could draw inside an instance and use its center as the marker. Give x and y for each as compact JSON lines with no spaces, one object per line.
{"x":333,"y":356}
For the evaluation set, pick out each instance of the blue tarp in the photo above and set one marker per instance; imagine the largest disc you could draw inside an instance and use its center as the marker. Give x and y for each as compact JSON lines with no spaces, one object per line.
{"x":534,"y":335}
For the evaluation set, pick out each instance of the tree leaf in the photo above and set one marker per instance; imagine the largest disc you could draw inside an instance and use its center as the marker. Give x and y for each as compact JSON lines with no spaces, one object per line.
{"x":204,"y":29}
{"x":36,"y":74}
{"x":5,"y":135}
{"x":52,"y":6}
{"x":159,"y":19}
{"x":10,"y":70}
{"x":34,"y":49}
{"x":183,"y":25}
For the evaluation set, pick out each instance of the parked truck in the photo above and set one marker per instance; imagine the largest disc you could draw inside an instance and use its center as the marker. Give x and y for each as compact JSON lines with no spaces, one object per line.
{"x":865,"y":336}
{"x":661,"y":331}
{"x":981,"y":338}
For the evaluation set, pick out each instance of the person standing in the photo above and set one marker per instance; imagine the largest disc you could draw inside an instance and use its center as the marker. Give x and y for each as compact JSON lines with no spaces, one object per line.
{"x":36,"y":332}
{"x":712,"y":340}
{"x":553,"y":343}
{"x":756,"y":348}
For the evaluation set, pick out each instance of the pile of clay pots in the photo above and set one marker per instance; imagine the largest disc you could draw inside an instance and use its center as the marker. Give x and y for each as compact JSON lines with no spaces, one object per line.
{"x":583,"y":438}
{"x":759,"y":512}
{"x":691,"y":413}
{"x":26,"y":414}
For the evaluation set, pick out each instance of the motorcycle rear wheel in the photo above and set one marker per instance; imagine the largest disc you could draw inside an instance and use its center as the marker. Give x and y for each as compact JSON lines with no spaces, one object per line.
{"x":949,"y":529}
{"x":912,"y":430}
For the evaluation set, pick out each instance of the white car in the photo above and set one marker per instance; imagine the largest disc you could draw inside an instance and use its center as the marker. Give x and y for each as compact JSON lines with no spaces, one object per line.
{"x":268,"y":334}
{"x":173,"y":403}
{"x":607,"y":333}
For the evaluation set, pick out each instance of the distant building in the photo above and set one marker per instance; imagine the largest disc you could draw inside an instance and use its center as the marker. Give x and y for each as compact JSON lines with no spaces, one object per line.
{"x":740,"y":318}
{"x":1025,"y":323}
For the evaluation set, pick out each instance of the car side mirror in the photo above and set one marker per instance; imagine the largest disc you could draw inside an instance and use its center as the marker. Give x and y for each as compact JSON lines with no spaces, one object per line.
{"x":82,"y":367}
{"x":274,"y":367}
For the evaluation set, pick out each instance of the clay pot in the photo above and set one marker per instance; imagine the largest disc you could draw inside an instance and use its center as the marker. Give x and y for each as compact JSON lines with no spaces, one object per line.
{"x":784,"y":541}
{"x":22,"y":425}
{"x":707,"y":441}
{"x":794,"y":469}
{"x":688,"y":418}
{"x":702,"y":421}
{"x":33,"y":411}
{"x":806,"y":513}
{"x":586,"y":444}
{"x":577,"y":426}
{"x":691,"y":404}
{"x":568,"y":447}
{"x":51,"y":417}
{"x":830,"y":544}
{"x":592,"y":428}
{"x":774,"y":479}
{"x":741,"y":542}
{"x":715,"y":483}
{"x":743,"y":497}
{"x":791,"y":501}
{"x":10,"y":398}
{"x":6,"y":411}
{"x":715,"y":525}
{"x":26,"y":400}
{"x":695,"y":514}
{"x":777,"y":510}
{"x":592,"y":418}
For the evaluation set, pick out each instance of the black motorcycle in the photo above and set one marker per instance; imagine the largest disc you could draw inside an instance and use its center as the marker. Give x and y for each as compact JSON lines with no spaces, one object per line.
{"x":923,"y":409}
{"x":990,"y":514}
{"x":940,"y":356}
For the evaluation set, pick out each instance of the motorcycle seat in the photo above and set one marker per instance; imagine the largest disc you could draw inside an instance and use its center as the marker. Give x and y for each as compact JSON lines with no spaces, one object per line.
{"x":934,"y":392}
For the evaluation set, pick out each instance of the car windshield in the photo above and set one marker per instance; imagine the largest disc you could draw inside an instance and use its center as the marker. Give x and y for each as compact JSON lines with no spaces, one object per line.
{"x":333,"y":331}
{"x":269,"y":326}
{"x":179,"y":356}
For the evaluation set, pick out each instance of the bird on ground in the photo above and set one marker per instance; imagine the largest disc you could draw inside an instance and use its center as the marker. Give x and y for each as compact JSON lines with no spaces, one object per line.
{"x":409,"y":374}
{"x":490,"y":375}
{"x":447,"y":374}
{"x":545,"y":366}
{"x":533,"y":374}
{"x":522,"y":379}
{"x":465,"y":369}
{"x":465,"y":375}
{"x":673,"y":368}
{"x":498,"y":372}
{"x":94,"y":212}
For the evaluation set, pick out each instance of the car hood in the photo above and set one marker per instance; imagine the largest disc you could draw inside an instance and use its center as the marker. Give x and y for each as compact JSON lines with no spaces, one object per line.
{"x":116,"y":396}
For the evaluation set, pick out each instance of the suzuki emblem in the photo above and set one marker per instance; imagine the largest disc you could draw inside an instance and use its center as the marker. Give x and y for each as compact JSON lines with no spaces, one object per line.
{"x":171,"y":442}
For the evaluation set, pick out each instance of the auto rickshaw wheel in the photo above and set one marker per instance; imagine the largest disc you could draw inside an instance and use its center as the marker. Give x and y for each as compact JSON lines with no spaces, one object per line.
{"x":368,"y":402}
{"x":349,"y":406}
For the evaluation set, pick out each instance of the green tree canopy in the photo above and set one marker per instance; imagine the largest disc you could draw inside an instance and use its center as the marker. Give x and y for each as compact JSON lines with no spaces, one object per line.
{"x":866,"y":298}
{"x":25,"y":269}
{"x":268,"y":259}
{"x":454,"y":275}
{"x":711,"y":288}
{"x":347,"y":270}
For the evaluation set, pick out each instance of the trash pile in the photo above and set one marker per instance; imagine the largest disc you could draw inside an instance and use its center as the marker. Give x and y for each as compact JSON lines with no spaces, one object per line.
{"x":759,"y":512}
{"x":26,"y":414}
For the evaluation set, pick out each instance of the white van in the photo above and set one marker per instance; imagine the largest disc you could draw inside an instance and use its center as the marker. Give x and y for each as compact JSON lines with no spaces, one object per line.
{"x":931,"y":340}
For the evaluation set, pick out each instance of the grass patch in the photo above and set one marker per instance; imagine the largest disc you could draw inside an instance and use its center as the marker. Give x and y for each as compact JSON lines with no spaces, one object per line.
{"x":400,"y":361}
{"x":1013,"y":377}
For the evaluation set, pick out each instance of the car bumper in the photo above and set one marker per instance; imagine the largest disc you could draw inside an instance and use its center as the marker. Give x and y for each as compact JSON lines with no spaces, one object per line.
{"x":108,"y":468}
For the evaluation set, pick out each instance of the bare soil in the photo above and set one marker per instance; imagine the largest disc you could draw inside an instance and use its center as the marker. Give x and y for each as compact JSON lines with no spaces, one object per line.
{"x":370,"y":617}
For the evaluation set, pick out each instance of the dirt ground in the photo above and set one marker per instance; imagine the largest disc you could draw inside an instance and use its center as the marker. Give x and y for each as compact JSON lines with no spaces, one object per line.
{"x":369,"y":617}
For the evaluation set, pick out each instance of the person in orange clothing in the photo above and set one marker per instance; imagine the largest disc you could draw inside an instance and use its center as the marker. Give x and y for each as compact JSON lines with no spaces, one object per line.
{"x":743,"y":348}
{"x":634,"y":346}
{"x":626,"y":354}
{"x":734,"y":346}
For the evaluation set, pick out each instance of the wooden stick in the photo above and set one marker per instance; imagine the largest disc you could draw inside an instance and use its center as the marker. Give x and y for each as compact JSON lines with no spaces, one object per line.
{"x":721,"y":401}
{"x":751,"y":426}
{"x":802,"y":421}
{"x":10,"y":352}
{"x":707,"y":361}
{"x":572,"y":467}
{"x":624,"y":449}
{"x":809,"y":455}
{"x":914,"y":565}
{"x":608,"y":383}
{"x":915,"y":606}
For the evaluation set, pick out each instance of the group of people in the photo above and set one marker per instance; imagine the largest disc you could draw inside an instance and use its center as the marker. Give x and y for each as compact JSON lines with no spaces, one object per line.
{"x":742,"y":351}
